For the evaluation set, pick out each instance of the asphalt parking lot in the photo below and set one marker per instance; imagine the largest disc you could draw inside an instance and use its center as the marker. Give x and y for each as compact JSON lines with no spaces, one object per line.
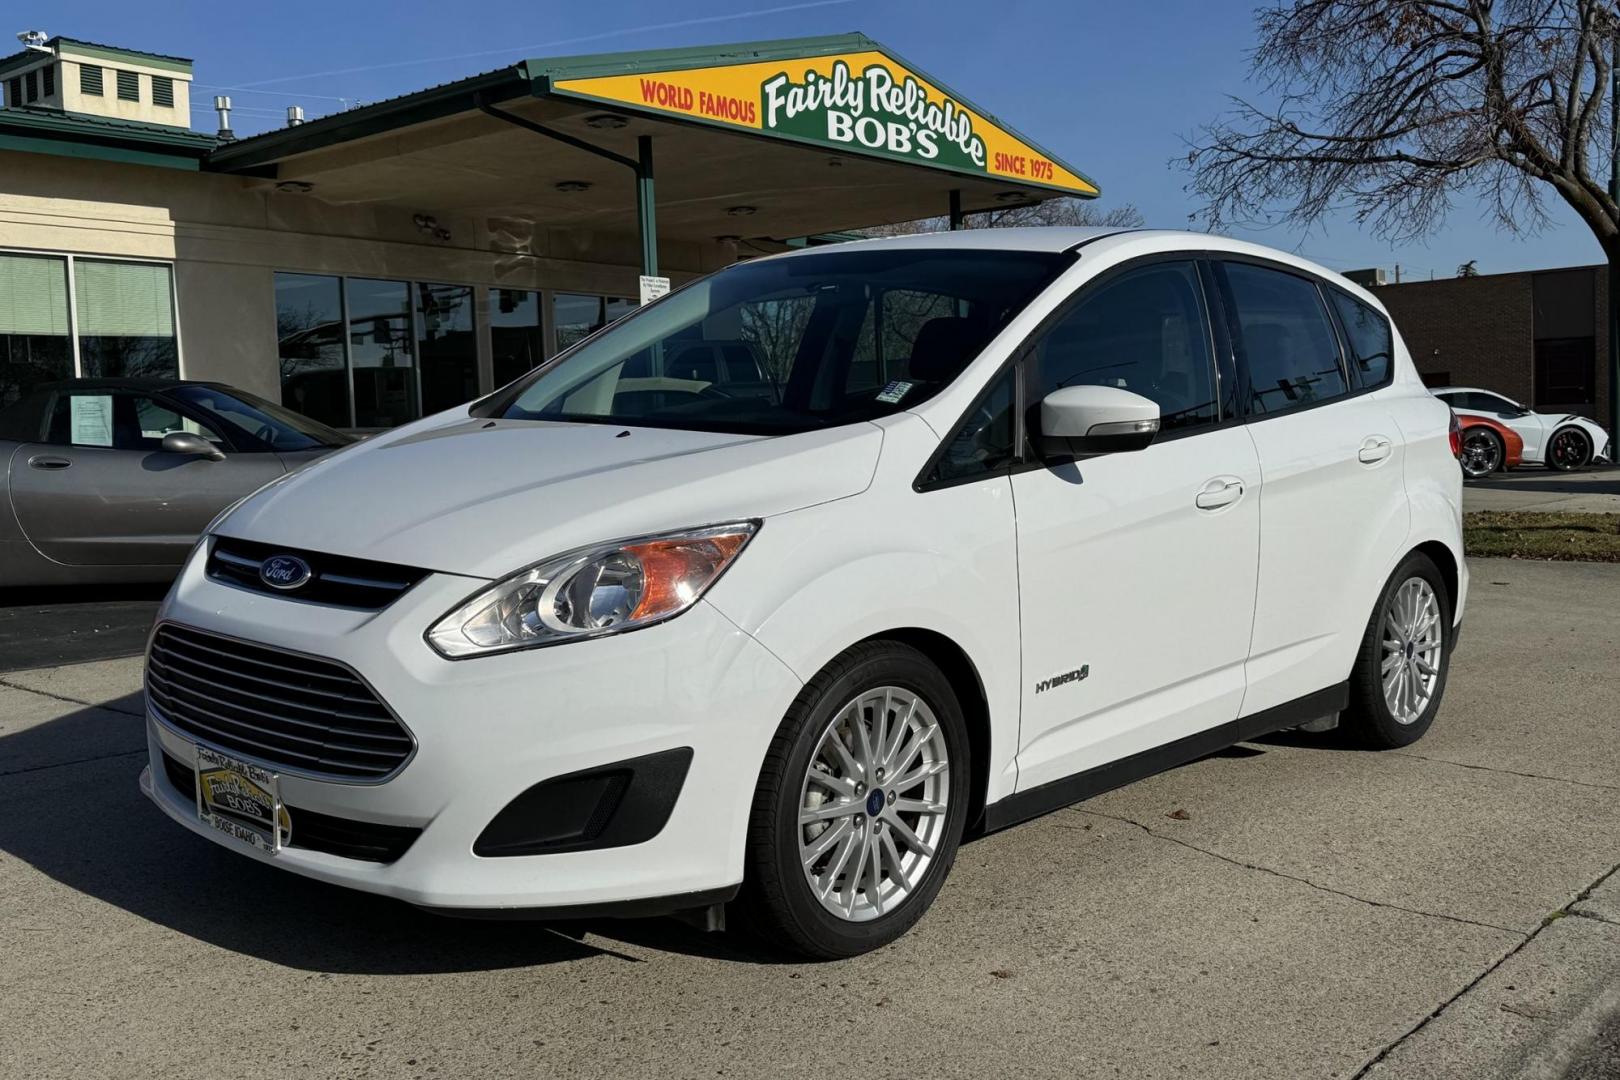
{"x":1532,"y":488}
{"x":1286,"y":909}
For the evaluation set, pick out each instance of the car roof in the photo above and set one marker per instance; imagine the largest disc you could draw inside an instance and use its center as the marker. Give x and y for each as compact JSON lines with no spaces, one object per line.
{"x":1468,"y":390}
{"x":140,"y":383}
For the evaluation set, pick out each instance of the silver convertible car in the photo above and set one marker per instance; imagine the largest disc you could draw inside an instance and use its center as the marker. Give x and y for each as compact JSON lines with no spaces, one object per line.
{"x":111,"y":480}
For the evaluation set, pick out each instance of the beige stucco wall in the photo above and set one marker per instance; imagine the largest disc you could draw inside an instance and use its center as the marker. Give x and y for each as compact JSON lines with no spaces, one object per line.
{"x":109,"y":103}
{"x":227,"y":236}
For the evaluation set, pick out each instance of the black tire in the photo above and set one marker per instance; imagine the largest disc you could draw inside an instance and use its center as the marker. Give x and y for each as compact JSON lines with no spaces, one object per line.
{"x":1569,"y":448}
{"x":1368,"y":721}
{"x":1488,"y":454}
{"x":776,"y":902}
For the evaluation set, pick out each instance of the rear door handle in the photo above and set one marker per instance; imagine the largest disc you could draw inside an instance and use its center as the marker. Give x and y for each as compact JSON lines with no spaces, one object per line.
{"x":1374,"y":448}
{"x":48,"y":461}
{"x":1219,"y":492}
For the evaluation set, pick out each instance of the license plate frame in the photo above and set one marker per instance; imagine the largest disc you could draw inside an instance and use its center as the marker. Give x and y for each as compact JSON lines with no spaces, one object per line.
{"x":241,"y":800}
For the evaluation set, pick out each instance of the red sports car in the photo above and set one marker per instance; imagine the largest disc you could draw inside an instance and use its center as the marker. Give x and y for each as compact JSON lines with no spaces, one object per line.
{"x":1487,"y":445}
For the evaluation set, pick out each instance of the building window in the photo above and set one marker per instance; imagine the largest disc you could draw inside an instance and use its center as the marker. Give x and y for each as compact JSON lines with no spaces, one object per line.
{"x":446,"y":345}
{"x":516,"y":337}
{"x":129,"y":86}
{"x":1566,"y":373}
{"x":309,"y":328}
{"x":47,"y":80}
{"x":35,"y":341}
{"x":382,"y":353}
{"x":90,"y":80}
{"x":14,"y":96}
{"x":125,"y":319}
{"x":578,"y":317}
{"x":162,"y":92}
{"x":31,"y":86}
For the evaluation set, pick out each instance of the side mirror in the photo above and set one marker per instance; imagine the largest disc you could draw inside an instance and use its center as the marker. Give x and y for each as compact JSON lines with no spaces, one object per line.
{"x":1084,"y":421}
{"x":184,"y":442}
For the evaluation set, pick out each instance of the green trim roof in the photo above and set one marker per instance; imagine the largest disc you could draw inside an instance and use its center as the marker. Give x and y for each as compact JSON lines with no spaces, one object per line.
{"x":51,"y":131}
{"x":22,"y":59}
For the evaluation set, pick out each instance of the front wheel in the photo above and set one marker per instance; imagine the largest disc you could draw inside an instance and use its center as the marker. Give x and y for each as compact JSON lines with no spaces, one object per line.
{"x":1400,"y":671}
{"x":860,"y":805}
{"x":1482,"y":452}
{"x":1569,"y":448}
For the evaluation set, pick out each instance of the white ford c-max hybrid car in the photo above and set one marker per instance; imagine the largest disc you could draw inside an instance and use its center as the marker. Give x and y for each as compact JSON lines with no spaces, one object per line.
{"x":977,"y":525}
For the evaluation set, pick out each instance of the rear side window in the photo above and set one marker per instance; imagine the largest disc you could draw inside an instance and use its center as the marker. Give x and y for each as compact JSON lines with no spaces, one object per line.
{"x":1283,"y":333}
{"x":1372,"y":344}
{"x":1143,"y":331}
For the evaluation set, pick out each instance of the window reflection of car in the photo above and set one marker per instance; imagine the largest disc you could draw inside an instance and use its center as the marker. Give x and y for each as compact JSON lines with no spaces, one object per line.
{"x":112,"y":479}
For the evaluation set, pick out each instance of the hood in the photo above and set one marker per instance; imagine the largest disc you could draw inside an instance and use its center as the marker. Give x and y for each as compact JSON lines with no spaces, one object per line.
{"x":487,"y":497}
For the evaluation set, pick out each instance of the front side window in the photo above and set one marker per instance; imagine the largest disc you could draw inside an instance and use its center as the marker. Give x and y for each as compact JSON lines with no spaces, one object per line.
{"x":117,"y":420}
{"x":262,"y":423}
{"x":1372,"y":343}
{"x":1144,"y":331}
{"x":1282,"y":331}
{"x":799,"y":320}
{"x":34,"y":342}
{"x":126,"y":319}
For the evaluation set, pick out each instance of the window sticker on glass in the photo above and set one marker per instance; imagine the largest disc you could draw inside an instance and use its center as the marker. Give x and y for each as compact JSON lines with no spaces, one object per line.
{"x":91,"y":418}
{"x":894,"y":391}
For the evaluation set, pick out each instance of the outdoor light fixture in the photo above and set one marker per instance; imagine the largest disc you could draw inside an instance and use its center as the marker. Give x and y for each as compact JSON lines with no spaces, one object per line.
{"x":425,"y":222}
{"x":740,"y":211}
{"x":295,"y":187}
{"x":573,"y":185}
{"x":606,"y":122}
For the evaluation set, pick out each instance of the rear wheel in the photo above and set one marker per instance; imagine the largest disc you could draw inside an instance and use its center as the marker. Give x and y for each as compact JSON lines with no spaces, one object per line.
{"x":1569,"y":448}
{"x":860,"y":805}
{"x":1482,"y":452}
{"x":1400,"y":671}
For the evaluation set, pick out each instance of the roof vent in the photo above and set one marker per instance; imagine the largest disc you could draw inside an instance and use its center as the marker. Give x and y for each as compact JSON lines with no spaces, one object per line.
{"x":34,"y":39}
{"x":295,"y":115}
{"x":222,"y":105}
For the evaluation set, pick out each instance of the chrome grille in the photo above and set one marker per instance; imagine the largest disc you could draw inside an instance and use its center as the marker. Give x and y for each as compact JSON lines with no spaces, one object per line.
{"x":294,"y":712}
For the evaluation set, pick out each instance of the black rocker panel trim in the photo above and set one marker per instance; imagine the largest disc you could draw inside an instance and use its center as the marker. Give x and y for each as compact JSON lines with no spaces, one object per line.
{"x":645,"y":907}
{"x":1057,"y":794}
{"x":627,"y":802}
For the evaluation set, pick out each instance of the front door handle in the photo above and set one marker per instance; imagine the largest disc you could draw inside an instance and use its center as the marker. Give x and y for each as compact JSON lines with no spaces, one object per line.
{"x":1374,"y":448}
{"x":1219,"y":492}
{"x":48,"y":461}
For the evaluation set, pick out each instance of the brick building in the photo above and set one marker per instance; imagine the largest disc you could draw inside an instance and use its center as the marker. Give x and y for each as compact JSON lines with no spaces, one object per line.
{"x":1538,"y":337}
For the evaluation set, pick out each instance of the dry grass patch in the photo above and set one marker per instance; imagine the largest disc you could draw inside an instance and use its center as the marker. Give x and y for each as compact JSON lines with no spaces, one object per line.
{"x":1524,"y":534}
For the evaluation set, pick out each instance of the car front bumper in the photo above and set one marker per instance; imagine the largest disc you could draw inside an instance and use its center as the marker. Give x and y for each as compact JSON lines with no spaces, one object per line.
{"x":489,"y":728}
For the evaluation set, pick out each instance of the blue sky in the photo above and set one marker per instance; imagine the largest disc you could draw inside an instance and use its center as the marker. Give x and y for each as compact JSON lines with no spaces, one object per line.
{"x":1112,"y":87}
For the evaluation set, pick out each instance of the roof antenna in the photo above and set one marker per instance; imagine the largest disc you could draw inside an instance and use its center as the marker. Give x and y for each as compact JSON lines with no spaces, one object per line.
{"x":222,"y":105}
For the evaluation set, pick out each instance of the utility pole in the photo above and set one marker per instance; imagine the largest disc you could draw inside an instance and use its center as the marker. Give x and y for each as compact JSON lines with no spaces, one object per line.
{"x":1613,"y":270}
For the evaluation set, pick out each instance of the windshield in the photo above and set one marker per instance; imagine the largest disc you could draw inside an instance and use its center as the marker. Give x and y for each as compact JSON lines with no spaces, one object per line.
{"x":279,"y":428}
{"x":787,"y":345}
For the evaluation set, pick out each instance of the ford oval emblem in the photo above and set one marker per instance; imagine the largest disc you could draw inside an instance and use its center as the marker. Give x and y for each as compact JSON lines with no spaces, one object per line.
{"x":284,"y":571}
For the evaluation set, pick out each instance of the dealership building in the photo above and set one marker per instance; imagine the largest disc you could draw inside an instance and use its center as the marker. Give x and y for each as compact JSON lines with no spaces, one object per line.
{"x":388,"y":261}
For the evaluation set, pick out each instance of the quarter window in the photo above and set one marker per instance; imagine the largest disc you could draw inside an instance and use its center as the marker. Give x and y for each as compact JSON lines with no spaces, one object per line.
{"x":985,"y":441}
{"x":1143,"y":331}
{"x":1372,"y":345}
{"x":1283,"y":333}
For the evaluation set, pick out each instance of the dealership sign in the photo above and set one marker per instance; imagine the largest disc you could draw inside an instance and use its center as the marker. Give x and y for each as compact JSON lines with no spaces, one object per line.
{"x":864,"y":102}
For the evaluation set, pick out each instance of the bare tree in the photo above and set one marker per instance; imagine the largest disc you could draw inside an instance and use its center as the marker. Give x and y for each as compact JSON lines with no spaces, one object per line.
{"x":1076,"y":212}
{"x":1393,"y":109}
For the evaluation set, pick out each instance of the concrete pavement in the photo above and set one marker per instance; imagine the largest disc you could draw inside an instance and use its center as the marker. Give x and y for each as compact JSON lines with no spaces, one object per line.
{"x":1594,"y":490}
{"x":1446,"y":911}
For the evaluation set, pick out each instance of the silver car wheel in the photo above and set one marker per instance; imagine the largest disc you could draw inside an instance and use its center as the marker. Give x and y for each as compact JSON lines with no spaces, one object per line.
{"x":1414,"y":641}
{"x":872,"y":807}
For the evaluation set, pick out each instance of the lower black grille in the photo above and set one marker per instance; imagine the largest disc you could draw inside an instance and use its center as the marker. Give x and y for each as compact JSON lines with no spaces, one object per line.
{"x":290,"y":711}
{"x":364,"y":840}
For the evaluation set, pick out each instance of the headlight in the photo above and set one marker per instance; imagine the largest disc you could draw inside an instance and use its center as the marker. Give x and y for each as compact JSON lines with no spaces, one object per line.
{"x":592,"y":591}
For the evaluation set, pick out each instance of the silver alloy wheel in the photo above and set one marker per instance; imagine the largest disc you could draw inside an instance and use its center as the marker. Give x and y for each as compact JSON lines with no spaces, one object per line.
{"x":1413,"y":641}
{"x":1481,"y":452}
{"x":873,"y":803}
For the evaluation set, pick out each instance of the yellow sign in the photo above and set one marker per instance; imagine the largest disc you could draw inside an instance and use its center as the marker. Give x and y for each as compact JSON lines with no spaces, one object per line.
{"x":864,"y":102}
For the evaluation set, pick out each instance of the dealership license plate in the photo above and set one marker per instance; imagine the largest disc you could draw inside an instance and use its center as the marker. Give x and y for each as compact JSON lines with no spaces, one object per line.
{"x":242,"y":800}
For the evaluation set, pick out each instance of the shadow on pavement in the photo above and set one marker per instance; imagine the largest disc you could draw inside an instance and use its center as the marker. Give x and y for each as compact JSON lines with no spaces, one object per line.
{"x":73,"y":810}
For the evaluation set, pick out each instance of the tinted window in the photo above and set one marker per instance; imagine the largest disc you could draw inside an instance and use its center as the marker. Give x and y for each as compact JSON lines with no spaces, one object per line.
{"x":801,"y":319}
{"x":985,"y":439}
{"x":1283,"y":332}
{"x":1475,"y":401}
{"x":1372,"y":344}
{"x":309,"y":329}
{"x":1143,"y":331}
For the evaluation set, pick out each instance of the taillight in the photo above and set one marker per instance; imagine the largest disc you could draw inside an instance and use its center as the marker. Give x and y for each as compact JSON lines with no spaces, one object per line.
{"x":1456,"y":438}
